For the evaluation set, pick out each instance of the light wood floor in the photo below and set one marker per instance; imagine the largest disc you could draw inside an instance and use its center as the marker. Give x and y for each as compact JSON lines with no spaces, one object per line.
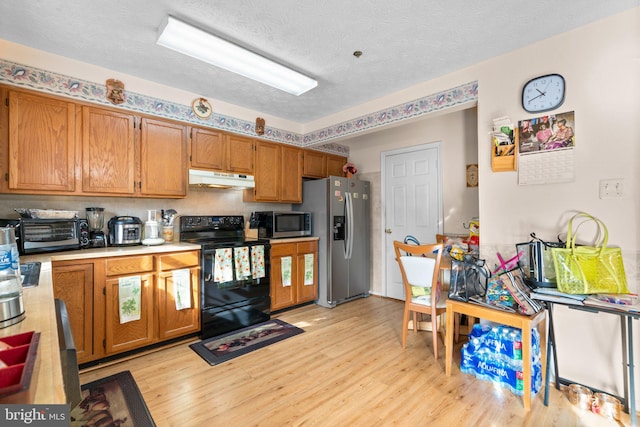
{"x":347,"y":369}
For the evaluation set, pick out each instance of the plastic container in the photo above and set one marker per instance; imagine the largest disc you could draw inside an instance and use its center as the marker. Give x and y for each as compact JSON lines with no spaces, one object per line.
{"x":20,"y":360}
{"x":11,"y":306}
{"x":580,"y":396}
{"x":606,"y":405}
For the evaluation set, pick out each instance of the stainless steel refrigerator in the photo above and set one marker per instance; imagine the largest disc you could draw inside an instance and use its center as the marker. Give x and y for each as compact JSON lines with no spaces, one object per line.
{"x":340,"y":218}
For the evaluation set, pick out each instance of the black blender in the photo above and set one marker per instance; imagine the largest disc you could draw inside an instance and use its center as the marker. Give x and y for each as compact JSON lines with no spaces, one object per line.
{"x":95,"y":219}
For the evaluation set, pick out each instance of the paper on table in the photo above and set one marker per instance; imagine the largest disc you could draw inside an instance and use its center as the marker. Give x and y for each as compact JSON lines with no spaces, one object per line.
{"x":182,"y":288}
{"x":286,"y":270}
{"x":129,"y":289}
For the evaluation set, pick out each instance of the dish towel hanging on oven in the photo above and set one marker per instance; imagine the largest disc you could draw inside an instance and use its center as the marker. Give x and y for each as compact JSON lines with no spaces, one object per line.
{"x":241,"y":258}
{"x":222,"y":266}
{"x":257,"y":262}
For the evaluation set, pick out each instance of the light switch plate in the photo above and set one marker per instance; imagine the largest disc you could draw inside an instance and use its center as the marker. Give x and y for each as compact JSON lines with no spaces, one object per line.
{"x":611,"y":188}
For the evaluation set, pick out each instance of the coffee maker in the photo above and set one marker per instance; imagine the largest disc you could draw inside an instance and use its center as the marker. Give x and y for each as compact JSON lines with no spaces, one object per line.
{"x":95,"y":219}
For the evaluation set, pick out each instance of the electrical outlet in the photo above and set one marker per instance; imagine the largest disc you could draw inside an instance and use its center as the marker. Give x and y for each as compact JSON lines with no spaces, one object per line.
{"x":611,"y":188}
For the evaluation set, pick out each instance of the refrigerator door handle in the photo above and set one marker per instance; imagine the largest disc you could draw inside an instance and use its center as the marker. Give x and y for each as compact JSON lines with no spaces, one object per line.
{"x":349,"y":237}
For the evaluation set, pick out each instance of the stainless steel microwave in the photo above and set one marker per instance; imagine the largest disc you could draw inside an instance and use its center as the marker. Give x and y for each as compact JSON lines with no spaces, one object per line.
{"x":278,"y":225}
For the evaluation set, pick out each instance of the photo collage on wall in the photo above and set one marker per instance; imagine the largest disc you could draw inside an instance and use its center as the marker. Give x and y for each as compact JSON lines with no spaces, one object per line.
{"x":544,"y":133}
{"x":545,"y":149}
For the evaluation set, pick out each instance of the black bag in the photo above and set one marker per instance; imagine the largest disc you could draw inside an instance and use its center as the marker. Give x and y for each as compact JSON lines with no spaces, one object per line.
{"x":536,"y":262}
{"x":469,"y":278}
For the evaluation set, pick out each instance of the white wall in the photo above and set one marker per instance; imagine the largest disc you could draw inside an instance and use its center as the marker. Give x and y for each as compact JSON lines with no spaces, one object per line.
{"x":457,"y":132}
{"x":601,"y":65}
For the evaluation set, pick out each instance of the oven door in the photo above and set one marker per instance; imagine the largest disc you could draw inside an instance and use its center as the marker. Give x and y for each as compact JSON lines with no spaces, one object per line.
{"x":235,"y":286}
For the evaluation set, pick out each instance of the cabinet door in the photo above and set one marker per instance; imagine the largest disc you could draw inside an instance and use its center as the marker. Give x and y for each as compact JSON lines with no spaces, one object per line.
{"x":334,"y":165}
{"x":283,"y":288}
{"x":108,"y":152}
{"x":42,"y":143}
{"x":315,"y":164}
{"x":164,"y":163}
{"x":291,"y":175}
{"x":267,"y":172}
{"x":240,"y":154}
{"x":208,"y":149}
{"x":307,"y":283}
{"x":119,"y":336}
{"x":174,"y":321}
{"x":74,"y":285}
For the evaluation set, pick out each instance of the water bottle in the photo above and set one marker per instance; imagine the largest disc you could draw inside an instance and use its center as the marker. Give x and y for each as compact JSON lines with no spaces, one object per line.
{"x":10,"y":280}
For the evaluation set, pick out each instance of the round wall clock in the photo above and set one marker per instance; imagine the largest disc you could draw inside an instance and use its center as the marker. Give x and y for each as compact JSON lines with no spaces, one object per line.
{"x":201,"y":107}
{"x":543,"y":93}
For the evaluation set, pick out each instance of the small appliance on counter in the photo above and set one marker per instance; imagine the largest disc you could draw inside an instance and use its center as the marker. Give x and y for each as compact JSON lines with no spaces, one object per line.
{"x":95,"y":218}
{"x":37,"y":235}
{"x":152,"y":229}
{"x":125,"y":231}
{"x":279,"y":225}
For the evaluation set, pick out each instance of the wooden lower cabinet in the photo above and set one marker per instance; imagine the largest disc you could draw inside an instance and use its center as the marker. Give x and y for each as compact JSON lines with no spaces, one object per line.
{"x":174,"y":321}
{"x":91,"y":291}
{"x":294,"y":290}
{"x":122,"y":334}
{"x":73,"y":283}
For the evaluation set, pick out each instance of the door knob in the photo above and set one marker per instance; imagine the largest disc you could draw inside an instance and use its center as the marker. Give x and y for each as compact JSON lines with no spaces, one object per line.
{"x":387,"y":230}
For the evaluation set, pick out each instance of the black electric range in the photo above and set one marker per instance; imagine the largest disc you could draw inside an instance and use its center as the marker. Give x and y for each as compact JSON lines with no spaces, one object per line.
{"x":234,"y":279}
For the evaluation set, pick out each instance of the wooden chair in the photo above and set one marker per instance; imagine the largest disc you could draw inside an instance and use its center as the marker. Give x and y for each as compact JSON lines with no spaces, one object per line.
{"x":420,"y":268}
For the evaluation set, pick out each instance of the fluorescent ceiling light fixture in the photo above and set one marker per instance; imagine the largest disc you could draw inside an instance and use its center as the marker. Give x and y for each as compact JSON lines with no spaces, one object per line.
{"x":206,"y":47}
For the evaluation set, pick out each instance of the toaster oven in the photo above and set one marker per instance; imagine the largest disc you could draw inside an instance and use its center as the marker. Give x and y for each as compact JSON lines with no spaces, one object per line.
{"x":35,"y":236}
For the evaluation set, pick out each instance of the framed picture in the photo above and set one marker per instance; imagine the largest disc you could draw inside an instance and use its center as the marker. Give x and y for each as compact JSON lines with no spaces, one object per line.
{"x":472,"y":175}
{"x":201,"y":108}
{"x":546,"y":133}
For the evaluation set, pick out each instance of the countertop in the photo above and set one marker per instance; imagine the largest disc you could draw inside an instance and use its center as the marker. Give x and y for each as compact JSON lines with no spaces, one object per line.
{"x":293,"y":240}
{"x":46,"y":382}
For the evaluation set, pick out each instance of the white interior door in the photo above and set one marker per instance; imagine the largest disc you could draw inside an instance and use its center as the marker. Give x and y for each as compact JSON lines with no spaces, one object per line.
{"x":412,"y":204}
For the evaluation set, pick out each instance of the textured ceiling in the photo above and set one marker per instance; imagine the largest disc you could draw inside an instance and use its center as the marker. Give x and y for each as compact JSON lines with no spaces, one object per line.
{"x":404,"y":42}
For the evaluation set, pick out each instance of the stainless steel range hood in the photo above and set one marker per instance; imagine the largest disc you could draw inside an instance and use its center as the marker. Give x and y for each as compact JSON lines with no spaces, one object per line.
{"x":210,"y":179}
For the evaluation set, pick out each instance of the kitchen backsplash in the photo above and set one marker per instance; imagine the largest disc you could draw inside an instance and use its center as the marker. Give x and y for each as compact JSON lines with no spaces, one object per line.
{"x":198,"y":202}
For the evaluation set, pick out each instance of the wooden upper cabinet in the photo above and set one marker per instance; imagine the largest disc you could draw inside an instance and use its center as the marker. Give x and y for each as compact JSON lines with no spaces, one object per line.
{"x":208,"y":149}
{"x":108,"y":152}
{"x":291,"y":175}
{"x":217,"y":151}
{"x":334,"y":165}
{"x":240,"y":154}
{"x":267,"y":173}
{"x":42,"y":144}
{"x":164,"y":162}
{"x":315,"y":164}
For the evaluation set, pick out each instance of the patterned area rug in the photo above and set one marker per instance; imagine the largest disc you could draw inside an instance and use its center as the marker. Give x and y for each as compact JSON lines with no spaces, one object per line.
{"x":233,"y":344}
{"x":112,"y":401}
